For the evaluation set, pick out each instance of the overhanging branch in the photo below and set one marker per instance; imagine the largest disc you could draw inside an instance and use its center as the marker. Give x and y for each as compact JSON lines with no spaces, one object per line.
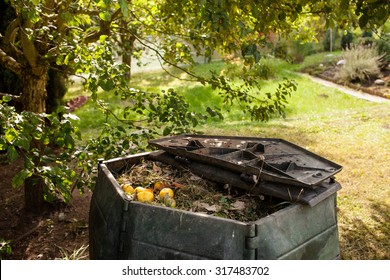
{"x":10,"y":63}
{"x":160,"y":57}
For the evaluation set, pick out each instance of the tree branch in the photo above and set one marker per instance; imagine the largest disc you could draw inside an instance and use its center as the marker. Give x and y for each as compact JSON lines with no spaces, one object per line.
{"x":29,"y":50}
{"x":10,"y":63}
{"x":12,"y":96}
{"x":104,"y":29}
{"x":161,"y":57}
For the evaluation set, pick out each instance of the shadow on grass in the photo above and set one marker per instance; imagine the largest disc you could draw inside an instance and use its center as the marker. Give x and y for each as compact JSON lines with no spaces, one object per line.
{"x":367,"y":240}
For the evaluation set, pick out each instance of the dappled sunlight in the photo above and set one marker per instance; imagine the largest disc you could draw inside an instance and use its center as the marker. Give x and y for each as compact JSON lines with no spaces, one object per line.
{"x":359,"y":140}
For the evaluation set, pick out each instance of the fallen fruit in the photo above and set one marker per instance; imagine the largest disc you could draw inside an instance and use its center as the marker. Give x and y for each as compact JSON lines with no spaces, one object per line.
{"x":170,"y":202}
{"x":127,"y":188}
{"x":166,"y":193}
{"x":158,"y":186}
{"x":141,"y":189}
{"x":145,"y":196}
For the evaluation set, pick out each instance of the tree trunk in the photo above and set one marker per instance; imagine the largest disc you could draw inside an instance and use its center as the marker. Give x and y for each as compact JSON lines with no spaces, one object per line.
{"x":127,"y":45}
{"x":34,"y":100}
{"x":34,"y":91}
{"x":34,"y":195}
{"x":126,"y":58}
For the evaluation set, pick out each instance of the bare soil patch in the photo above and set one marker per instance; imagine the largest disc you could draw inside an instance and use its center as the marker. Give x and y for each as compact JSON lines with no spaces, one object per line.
{"x":56,"y":234}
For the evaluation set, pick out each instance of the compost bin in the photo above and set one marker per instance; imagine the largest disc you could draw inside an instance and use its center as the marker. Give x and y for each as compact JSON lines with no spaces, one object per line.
{"x":303,"y":183}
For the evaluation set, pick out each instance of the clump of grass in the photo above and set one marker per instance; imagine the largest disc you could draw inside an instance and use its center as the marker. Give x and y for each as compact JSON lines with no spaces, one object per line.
{"x":5,"y":248}
{"x":362,"y":64}
{"x":77,"y":254}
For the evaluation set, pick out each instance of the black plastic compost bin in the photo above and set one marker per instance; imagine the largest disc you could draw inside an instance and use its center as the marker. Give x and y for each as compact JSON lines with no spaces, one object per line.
{"x":307,"y":229}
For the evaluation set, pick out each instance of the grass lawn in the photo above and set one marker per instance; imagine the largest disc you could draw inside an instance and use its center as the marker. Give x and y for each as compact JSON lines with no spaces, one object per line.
{"x":349,"y":131}
{"x":357,"y":138}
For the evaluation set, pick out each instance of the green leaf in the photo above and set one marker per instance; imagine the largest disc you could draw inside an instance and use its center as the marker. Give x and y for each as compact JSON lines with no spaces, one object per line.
{"x":328,"y":9}
{"x":12,"y":154}
{"x":102,"y":38}
{"x":344,"y":4}
{"x":124,"y":7}
{"x":66,"y":60}
{"x":106,"y":16}
{"x":19,"y":178}
{"x":36,"y":2}
{"x":363,"y":20}
{"x":10,"y":135}
{"x":167,"y":131}
{"x":3,"y":145}
{"x":107,"y":85}
{"x":23,"y":142}
{"x":7,"y":98}
{"x":382,"y":14}
{"x":282,"y":16}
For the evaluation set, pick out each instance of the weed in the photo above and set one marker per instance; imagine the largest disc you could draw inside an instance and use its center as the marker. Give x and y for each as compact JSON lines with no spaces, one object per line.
{"x":77,"y":254}
{"x":5,"y":248}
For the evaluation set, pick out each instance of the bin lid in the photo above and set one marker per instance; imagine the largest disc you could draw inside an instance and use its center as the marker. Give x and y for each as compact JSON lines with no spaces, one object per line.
{"x":258,"y":159}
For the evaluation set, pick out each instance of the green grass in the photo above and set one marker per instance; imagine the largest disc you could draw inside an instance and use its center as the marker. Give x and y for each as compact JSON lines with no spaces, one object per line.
{"x":319,"y":58}
{"x":350,"y":131}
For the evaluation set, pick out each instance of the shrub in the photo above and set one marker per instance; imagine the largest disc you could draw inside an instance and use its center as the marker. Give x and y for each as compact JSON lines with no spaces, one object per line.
{"x":298,"y":50}
{"x":264,"y":69}
{"x":347,"y":40}
{"x":362,"y":64}
{"x":383,"y":46}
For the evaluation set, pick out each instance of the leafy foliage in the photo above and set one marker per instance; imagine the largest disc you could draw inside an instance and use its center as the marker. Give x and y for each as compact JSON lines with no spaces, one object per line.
{"x":346,"y":39}
{"x":383,"y":46}
{"x":44,"y":141}
{"x":248,"y":99}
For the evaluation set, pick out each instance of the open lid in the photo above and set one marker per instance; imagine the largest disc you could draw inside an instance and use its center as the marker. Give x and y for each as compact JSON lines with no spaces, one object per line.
{"x":263,"y":159}
{"x":296,"y":194}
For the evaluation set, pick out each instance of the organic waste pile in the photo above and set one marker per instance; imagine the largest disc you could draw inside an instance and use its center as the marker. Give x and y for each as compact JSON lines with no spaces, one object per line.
{"x":161,"y":184}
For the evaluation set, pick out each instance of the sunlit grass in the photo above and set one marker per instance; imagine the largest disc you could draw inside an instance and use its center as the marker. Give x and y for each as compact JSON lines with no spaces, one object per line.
{"x":359,"y":140}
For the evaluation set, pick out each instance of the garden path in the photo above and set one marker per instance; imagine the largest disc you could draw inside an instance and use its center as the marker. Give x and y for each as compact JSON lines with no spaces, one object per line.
{"x":356,"y":93}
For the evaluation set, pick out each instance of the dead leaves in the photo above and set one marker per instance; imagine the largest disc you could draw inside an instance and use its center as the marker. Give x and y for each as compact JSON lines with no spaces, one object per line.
{"x":214,"y":208}
{"x":195,"y":194}
{"x":238,"y":206}
{"x":198,"y":205}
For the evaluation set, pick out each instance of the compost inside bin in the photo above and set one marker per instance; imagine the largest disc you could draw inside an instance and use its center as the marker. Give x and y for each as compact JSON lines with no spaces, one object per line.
{"x":196,"y":194}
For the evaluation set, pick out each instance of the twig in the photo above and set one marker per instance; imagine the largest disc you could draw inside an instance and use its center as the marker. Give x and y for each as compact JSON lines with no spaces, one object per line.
{"x":28,"y":232}
{"x":14,"y":97}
